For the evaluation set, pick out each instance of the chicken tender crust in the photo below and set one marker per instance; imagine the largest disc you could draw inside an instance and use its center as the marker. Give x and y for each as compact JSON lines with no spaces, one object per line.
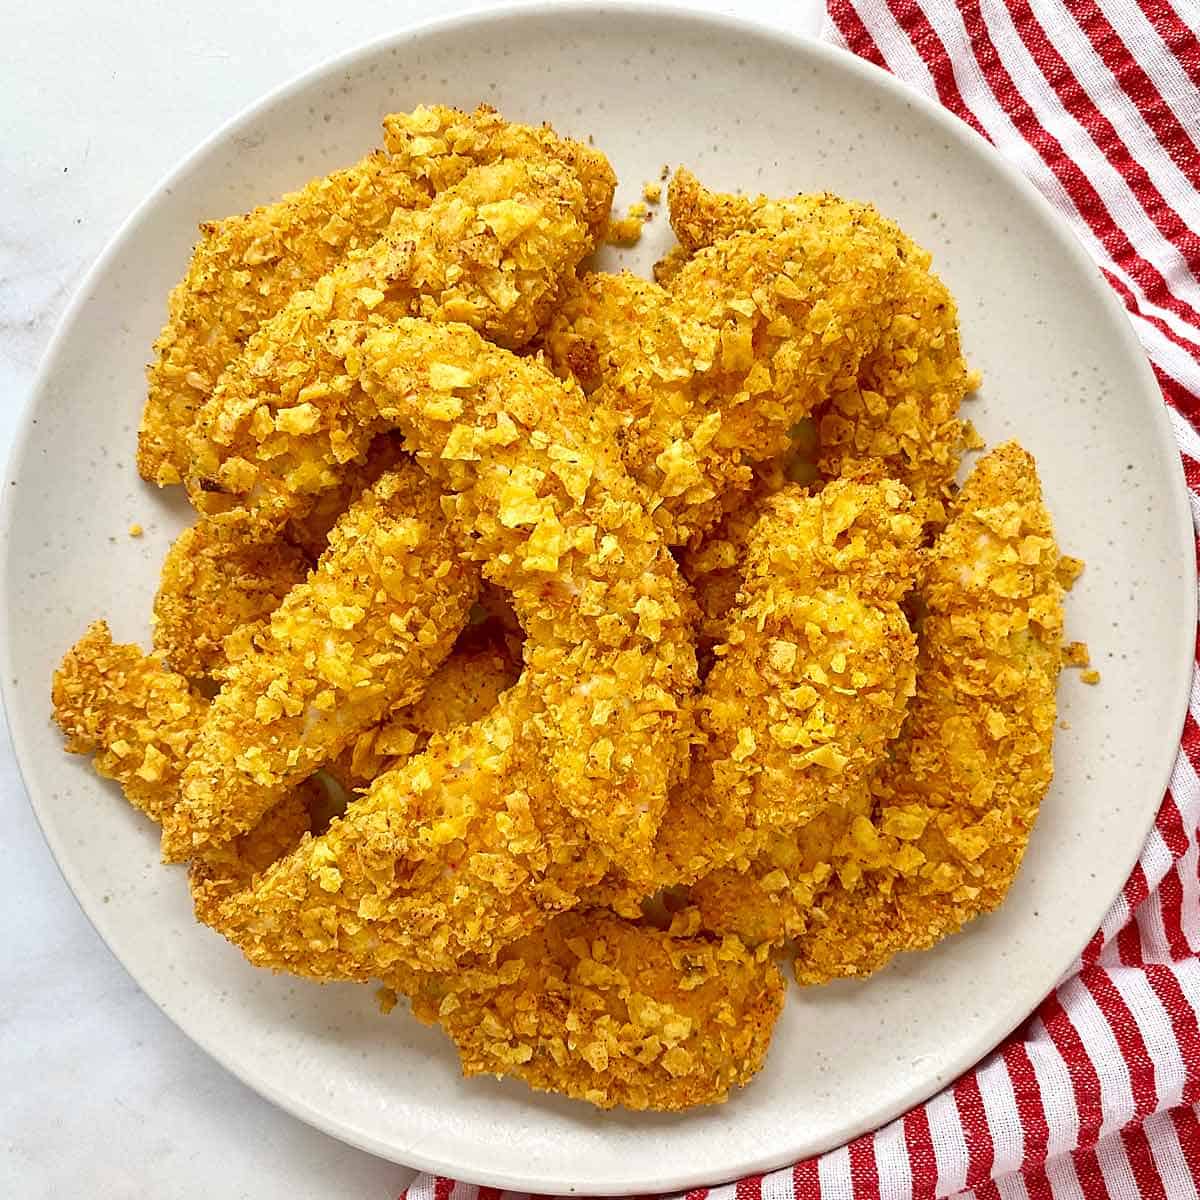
{"x":708,"y":379}
{"x":130,"y":710}
{"x":288,"y":416}
{"x":612,"y":1012}
{"x":362,"y":634}
{"x":954,"y":803}
{"x":242,"y":272}
{"x":215,"y":580}
{"x":900,"y":418}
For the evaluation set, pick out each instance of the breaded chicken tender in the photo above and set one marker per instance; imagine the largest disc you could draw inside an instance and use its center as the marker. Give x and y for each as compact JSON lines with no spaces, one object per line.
{"x":242,"y":272}
{"x":130,"y":710}
{"x":772,"y":898}
{"x":954,"y":803}
{"x":310,"y":530}
{"x":235,"y":866}
{"x":708,"y":379}
{"x":140,"y":720}
{"x":560,"y":527}
{"x":611,"y":1012}
{"x":813,"y":680}
{"x":361,"y":635}
{"x":214,"y":580}
{"x":491,"y":251}
{"x":477,"y":841}
{"x":714,"y":565}
{"x":900,"y":418}
{"x":463,"y":689}
{"x":439,"y":145}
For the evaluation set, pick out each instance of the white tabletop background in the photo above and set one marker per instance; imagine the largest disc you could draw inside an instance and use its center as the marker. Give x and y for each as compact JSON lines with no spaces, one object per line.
{"x":101,"y":1095}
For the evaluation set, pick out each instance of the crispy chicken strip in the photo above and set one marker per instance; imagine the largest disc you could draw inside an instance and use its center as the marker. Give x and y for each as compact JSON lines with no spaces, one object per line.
{"x":463,"y":689}
{"x":129,"y":709}
{"x":550,"y":511}
{"x":708,"y":379}
{"x":235,"y":866}
{"x":220,"y":582}
{"x":772,"y":899}
{"x":140,"y":720}
{"x":362,"y":634}
{"x":439,"y":145}
{"x":475,"y":842}
{"x":242,"y":272}
{"x":246,"y":267}
{"x":611,"y":1012}
{"x":214,"y":580}
{"x":813,"y":680}
{"x":310,"y":530}
{"x":715,"y":565}
{"x":954,"y":804}
{"x":901,"y":417}
{"x":491,"y":251}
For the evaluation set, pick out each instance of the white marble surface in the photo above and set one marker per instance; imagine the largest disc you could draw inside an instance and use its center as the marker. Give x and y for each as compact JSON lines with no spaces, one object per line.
{"x":100,"y":99}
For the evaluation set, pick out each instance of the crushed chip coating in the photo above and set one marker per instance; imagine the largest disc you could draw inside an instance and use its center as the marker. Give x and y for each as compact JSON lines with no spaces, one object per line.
{"x":234,"y":866}
{"x":215,"y":580}
{"x":439,"y":145}
{"x":475,"y":842}
{"x":900,"y":416}
{"x":287,"y":416}
{"x":612,"y":1012}
{"x":310,"y":529}
{"x":140,"y":720}
{"x":362,"y":634}
{"x":955,"y":801}
{"x":813,"y":680}
{"x":241,"y":273}
{"x":136,"y":715}
{"x":709,"y":378}
{"x":463,"y":689}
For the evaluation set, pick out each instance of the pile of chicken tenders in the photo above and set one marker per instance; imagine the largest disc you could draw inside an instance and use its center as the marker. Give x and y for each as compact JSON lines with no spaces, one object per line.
{"x":562,"y":650}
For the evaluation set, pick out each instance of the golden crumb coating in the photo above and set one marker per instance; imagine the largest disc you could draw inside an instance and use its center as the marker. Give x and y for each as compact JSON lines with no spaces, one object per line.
{"x":814,"y":677}
{"x":362,"y":634}
{"x":770,"y":899}
{"x":234,"y":866}
{"x":129,"y":709}
{"x":310,"y":529}
{"x":439,"y":145}
{"x":954,"y":803}
{"x":715,"y":564}
{"x":499,"y":824}
{"x":560,"y":526}
{"x":287,"y":416}
{"x":463,"y":689}
{"x":667,"y":268}
{"x":214,"y":580}
{"x":708,"y":379}
{"x":241,"y":273}
{"x":458,"y":851}
{"x":612,"y":1012}
{"x":140,"y":720}
{"x":900,"y":418}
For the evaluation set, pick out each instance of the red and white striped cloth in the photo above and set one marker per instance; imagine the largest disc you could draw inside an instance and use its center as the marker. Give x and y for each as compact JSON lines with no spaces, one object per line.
{"x":1098,"y":102}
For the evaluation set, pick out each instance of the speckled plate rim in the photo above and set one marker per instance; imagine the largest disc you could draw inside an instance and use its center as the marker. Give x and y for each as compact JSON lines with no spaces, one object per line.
{"x":1005,"y":1016}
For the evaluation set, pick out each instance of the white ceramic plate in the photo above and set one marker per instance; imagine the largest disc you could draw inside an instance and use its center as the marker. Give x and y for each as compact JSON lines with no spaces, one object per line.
{"x":744,"y":108}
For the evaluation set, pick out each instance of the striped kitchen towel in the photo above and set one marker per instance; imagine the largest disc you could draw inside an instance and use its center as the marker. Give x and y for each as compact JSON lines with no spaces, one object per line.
{"x":1098,"y":102}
